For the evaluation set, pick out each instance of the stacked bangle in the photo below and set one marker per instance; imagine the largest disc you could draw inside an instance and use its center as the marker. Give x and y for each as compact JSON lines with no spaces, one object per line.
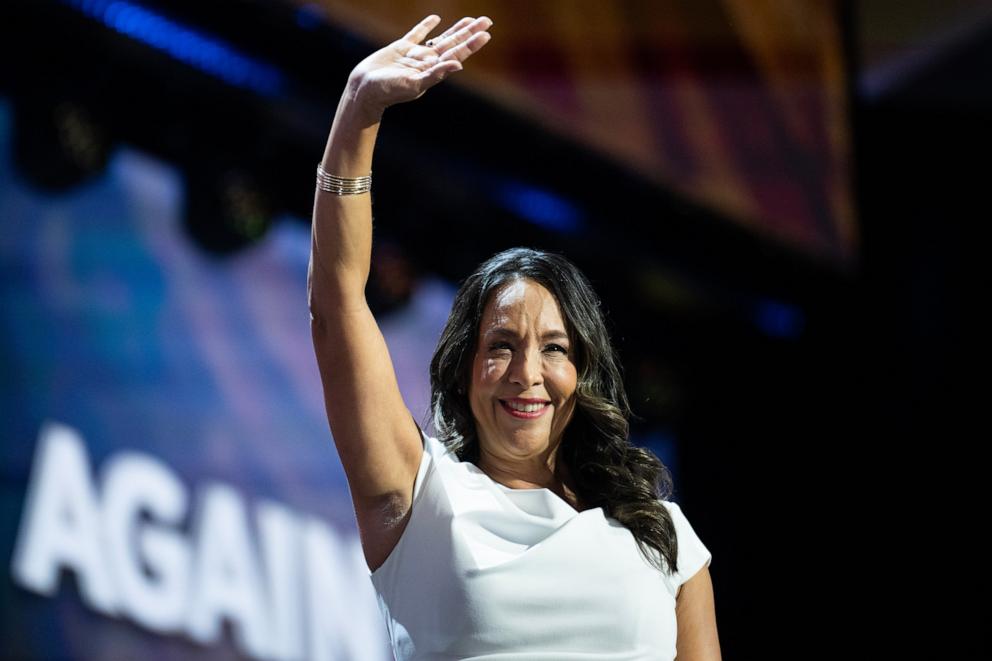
{"x":343,"y":185}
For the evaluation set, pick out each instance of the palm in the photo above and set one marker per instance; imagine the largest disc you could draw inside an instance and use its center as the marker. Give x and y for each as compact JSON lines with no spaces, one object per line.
{"x":405,"y":69}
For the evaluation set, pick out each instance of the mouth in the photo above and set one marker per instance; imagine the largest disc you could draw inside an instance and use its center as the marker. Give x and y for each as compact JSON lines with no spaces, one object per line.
{"x":529,"y":411}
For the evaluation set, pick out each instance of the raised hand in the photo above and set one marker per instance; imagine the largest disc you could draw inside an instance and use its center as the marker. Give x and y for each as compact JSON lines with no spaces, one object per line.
{"x":406,"y":68}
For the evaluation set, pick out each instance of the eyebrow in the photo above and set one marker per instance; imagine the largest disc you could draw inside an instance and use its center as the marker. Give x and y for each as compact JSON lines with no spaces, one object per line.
{"x":506,"y":332}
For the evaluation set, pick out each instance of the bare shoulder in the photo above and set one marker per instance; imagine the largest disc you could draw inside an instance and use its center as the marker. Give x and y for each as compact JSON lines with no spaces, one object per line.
{"x":695,"y":612}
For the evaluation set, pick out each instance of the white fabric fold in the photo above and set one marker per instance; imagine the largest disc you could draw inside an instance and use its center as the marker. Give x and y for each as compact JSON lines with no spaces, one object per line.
{"x":483,"y":571}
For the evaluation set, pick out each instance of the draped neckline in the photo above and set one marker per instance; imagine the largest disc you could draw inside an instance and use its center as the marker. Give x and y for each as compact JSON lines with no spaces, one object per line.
{"x":532,"y":490}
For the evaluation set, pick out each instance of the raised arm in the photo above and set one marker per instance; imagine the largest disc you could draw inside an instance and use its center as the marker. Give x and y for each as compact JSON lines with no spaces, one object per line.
{"x":373,"y":430}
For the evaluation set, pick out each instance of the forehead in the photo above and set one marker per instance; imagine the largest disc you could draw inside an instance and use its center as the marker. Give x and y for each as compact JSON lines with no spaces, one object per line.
{"x":521,"y":304}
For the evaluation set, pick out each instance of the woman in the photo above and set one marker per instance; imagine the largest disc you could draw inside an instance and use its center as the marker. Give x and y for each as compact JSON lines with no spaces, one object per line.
{"x":532,"y":529}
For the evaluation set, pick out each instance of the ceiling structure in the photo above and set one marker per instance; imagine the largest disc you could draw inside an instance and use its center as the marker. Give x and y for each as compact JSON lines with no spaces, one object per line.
{"x":740,"y":107}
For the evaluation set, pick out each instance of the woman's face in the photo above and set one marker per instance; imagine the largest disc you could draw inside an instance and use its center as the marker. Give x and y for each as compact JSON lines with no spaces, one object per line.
{"x":523,"y":352}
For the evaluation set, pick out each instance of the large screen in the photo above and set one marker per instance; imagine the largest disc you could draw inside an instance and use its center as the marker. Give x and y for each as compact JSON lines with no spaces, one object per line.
{"x":170,"y":484}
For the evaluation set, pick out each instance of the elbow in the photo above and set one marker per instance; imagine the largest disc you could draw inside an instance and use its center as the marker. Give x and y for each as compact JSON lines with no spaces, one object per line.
{"x":315,"y":318}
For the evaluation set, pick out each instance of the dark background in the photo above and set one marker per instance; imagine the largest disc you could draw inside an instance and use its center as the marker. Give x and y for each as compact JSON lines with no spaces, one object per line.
{"x":810,"y":400}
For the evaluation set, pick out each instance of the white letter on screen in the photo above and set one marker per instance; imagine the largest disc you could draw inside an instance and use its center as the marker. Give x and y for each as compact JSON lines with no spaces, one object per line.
{"x":60,"y":525}
{"x":132,"y":483}
{"x":226,"y":577}
{"x":343,"y":615}
{"x":279,"y":538}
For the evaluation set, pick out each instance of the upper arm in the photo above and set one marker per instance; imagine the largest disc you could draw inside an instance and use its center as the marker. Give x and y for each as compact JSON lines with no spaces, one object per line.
{"x":697,"y":638}
{"x":375,"y":434}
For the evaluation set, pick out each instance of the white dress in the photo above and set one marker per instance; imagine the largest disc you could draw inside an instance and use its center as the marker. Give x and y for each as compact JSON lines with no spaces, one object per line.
{"x":483,"y":571}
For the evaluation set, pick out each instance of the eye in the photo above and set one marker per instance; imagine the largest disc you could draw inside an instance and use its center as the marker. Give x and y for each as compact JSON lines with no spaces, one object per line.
{"x":499,"y":345}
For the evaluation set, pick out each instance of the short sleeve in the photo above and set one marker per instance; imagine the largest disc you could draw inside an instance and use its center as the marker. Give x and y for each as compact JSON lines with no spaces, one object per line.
{"x":692,"y":554}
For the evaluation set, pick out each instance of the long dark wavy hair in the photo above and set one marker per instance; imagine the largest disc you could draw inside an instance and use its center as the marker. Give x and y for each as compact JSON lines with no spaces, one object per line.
{"x":608,"y":470}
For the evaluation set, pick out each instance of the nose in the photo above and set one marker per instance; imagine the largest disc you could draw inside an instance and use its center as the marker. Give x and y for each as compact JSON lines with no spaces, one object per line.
{"x":525,"y":369}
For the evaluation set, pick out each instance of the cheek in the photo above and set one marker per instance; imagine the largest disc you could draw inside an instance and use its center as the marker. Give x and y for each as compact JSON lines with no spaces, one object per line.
{"x":565,"y":376}
{"x":491,"y":370}
{"x":566,"y":388}
{"x":486,"y":375}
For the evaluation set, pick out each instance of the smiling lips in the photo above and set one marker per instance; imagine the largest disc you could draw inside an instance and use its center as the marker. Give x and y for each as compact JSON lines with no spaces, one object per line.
{"x":523,"y":408}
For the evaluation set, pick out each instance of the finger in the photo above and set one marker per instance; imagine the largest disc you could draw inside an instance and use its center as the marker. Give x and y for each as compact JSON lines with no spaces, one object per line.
{"x":438,"y":72}
{"x":463,"y":51}
{"x":454,"y":28}
{"x":422,"y":29}
{"x":463,"y":34}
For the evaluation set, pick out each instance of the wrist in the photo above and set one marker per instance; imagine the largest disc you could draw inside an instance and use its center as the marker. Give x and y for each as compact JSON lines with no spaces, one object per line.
{"x":355,"y":105}
{"x":348,"y":152}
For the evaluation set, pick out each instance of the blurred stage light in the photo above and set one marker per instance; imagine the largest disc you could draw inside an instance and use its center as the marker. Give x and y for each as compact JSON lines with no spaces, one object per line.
{"x":779,"y":319}
{"x":58,"y":144}
{"x":392,"y":277}
{"x":540,"y":207}
{"x":310,"y":16}
{"x":194,"y":47}
{"x":226,"y":209}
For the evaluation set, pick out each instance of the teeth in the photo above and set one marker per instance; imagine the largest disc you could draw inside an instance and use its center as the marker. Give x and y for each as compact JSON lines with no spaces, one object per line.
{"x":526,"y":408}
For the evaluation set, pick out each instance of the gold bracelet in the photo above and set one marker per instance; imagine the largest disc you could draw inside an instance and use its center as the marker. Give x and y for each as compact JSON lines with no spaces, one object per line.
{"x":343,"y":185}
